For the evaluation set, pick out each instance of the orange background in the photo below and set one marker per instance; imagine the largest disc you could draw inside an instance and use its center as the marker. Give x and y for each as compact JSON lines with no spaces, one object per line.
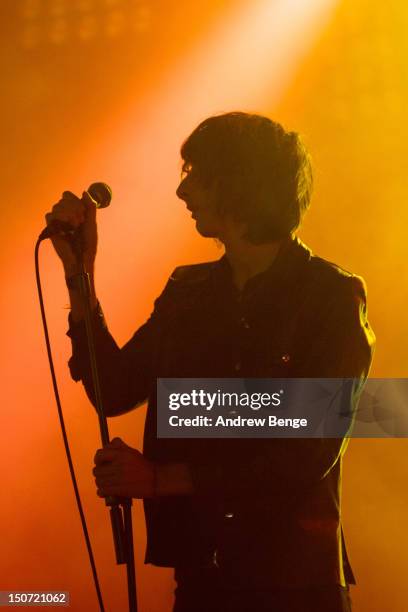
{"x":107,"y":91}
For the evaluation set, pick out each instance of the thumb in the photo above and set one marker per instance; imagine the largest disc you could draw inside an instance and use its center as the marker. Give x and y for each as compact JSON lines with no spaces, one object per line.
{"x":90,"y":205}
{"x":118,"y":443}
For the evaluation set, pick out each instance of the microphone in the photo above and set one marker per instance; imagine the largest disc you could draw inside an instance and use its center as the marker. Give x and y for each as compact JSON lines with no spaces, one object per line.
{"x":100,"y":192}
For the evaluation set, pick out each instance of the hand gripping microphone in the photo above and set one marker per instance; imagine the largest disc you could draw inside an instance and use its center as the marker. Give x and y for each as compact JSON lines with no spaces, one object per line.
{"x":100,"y":192}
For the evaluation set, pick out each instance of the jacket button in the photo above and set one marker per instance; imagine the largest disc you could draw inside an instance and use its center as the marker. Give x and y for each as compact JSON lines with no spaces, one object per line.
{"x":244,"y":323}
{"x":237,"y":366}
{"x":285,"y":358}
{"x":229,"y":515}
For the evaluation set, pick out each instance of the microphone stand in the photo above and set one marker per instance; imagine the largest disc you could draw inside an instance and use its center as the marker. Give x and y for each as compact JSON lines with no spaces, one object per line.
{"x":120,"y":507}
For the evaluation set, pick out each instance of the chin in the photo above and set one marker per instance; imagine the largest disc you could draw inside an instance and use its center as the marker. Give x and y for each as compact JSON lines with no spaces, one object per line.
{"x":206,"y":232}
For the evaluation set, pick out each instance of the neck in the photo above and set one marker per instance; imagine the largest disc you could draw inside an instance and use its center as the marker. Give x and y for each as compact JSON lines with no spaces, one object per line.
{"x":247,"y":259}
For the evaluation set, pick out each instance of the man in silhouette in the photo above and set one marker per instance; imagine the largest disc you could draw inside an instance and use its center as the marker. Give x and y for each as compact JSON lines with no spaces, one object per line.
{"x":248,"y":524}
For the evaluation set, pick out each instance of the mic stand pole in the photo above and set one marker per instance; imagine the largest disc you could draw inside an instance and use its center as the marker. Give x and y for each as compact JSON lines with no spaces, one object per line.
{"x":120,"y":507}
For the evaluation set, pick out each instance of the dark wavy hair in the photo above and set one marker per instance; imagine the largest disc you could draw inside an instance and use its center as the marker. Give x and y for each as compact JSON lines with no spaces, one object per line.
{"x":263,"y":173}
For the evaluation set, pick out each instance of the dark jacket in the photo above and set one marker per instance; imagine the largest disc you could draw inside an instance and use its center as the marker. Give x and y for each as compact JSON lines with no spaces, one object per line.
{"x":268,"y":510}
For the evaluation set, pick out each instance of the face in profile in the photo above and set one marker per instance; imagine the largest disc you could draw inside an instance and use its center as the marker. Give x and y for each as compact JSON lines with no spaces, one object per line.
{"x":201,"y":200}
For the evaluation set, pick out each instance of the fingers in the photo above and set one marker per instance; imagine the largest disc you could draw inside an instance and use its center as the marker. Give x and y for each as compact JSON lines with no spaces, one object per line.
{"x":104,"y":469}
{"x":108,"y":468}
{"x":72,"y":212}
{"x":107,"y":483}
{"x":69,"y":195}
{"x":90,"y":204}
{"x":89,"y":228}
{"x":123,"y":471}
{"x":69,"y":209}
{"x":105,"y":455}
{"x":110,"y":451}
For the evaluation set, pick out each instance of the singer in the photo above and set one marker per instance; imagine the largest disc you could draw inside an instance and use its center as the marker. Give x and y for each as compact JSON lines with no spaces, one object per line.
{"x":248,"y":524}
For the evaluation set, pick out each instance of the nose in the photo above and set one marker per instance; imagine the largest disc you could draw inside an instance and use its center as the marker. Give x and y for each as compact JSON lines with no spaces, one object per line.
{"x":181,"y":191}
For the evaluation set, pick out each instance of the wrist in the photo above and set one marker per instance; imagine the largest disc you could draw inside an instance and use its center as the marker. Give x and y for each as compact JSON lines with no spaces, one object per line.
{"x":72,"y":273}
{"x":73,"y":268}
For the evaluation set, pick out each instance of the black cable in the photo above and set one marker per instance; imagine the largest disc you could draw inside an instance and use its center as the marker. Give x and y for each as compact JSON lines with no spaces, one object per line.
{"x":64,"y":433}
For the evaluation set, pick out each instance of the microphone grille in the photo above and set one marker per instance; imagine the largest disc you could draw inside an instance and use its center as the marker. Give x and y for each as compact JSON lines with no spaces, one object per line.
{"x":101,"y":193}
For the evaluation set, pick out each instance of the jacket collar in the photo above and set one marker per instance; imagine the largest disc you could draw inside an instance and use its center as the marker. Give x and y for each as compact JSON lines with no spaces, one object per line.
{"x":285,"y":270}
